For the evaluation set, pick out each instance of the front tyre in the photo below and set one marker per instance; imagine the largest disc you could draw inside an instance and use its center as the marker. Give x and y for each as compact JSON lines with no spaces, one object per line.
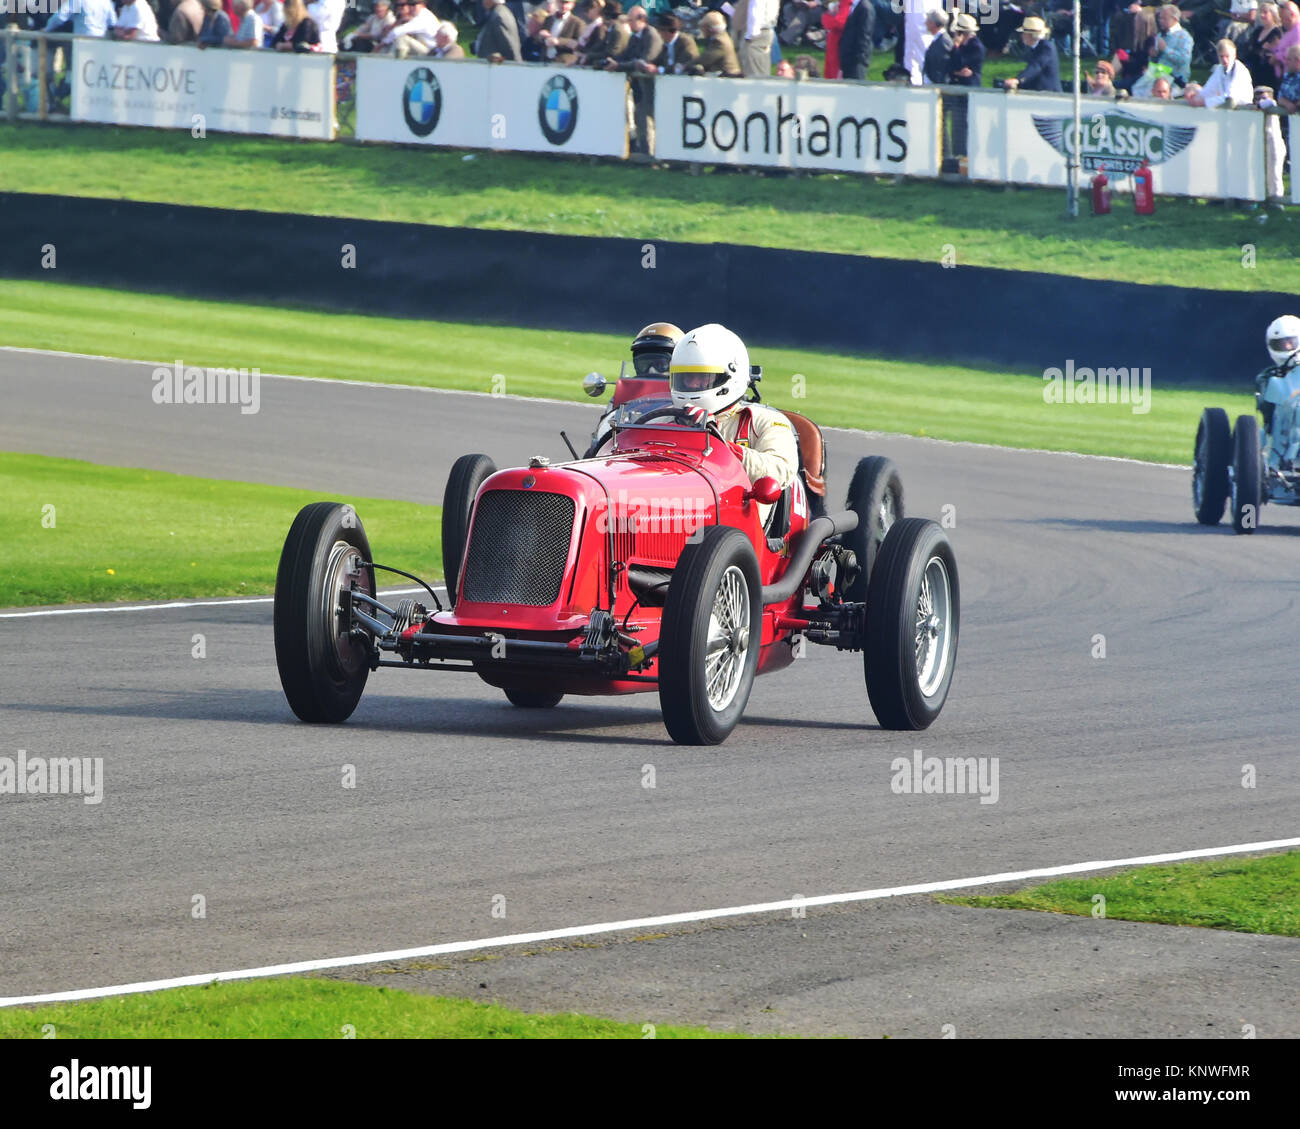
{"x":468,"y":473}
{"x":913,"y":612}
{"x":876,"y":496}
{"x":710,"y":637}
{"x":1245,"y":475}
{"x":323,"y":668}
{"x":1213,"y":452}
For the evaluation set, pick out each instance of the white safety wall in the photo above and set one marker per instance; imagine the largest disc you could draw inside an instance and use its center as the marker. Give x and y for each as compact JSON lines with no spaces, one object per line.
{"x":475,"y":105}
{"x":151,"y":84}
{"x":781,"y":123}
{"x":1024,"y":139}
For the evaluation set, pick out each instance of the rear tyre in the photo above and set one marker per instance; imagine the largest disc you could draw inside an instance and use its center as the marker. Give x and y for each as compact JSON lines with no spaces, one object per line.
{"x":913,"y":612}
{"x":876,"y":496}
{"x":468,"y":473}
{"x":1210,"y":486}
{"x":533,"y":699}
{"x":323,"y":669}
{"x":710,"y":637}
{"x":1245,"y":475}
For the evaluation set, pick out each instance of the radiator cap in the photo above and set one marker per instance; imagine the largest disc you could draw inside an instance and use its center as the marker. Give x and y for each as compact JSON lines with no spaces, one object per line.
{"x":539,"y":461}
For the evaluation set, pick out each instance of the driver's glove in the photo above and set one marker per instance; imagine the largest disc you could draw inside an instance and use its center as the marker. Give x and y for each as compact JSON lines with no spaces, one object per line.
{"x":696,"y":414}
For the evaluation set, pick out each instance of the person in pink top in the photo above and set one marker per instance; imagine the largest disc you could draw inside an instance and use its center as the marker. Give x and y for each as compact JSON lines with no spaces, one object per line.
{"x":1289,"y":14}
{"x":833,"y":20}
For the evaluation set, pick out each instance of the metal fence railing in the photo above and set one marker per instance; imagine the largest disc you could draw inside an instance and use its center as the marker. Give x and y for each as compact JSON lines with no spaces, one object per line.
{"x":34,"y":66}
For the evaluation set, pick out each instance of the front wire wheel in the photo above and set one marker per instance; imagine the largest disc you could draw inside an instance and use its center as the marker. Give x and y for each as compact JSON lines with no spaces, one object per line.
{"x":323,"y":664}
{"x":728,"y":648}
{"x":710,"y":637}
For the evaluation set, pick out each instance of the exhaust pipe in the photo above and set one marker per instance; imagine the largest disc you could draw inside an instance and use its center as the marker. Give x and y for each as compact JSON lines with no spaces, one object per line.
{"x":819,"y":529}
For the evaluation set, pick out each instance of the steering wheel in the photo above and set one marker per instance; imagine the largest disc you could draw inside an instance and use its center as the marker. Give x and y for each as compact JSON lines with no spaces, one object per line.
{"x":681,"y":415}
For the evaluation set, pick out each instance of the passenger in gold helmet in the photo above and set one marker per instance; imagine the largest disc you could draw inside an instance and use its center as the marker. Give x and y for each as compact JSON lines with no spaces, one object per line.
{"x":652,"y":348}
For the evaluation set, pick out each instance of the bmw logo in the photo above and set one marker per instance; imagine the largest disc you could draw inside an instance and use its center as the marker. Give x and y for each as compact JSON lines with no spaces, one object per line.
{"x":421,"y":102}
{"x":557,"y":110}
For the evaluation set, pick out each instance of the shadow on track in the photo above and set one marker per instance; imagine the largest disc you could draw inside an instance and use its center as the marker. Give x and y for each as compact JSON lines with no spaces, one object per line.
{"x":576,"y":720}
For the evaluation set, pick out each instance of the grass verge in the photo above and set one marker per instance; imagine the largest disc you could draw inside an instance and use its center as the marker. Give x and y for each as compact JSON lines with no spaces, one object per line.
{"x":946,"y":402}
{"x":312,"y":1009}
{"x":1187,"y":242}
{"x":125,"y":534}
{"x":1247,"y":895}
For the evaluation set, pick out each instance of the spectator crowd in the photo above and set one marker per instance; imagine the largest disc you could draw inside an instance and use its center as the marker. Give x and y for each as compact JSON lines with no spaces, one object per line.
{"x":1252,"y":49}
{"x":1141,"y":52}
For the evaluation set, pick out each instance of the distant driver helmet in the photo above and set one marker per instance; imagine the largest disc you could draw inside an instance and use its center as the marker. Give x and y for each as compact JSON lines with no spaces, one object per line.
{"x":652,"y":348}
{"x":1283,"y":339}
{"x":710,"y":369}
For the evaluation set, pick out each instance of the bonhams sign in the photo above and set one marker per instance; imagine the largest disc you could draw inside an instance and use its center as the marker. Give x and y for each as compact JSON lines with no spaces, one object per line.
{"x":1118,"y":139}
{"x":126,"y":83}
{"x":848,"y":127}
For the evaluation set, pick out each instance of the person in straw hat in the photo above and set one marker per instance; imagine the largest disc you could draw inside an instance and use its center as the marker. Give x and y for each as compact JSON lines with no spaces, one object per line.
{"x":1043,"y":68}
{"x":966,"y":63}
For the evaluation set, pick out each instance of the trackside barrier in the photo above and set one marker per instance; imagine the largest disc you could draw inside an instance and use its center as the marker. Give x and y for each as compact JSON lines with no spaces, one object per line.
{"x":1024,"y":138}
{"x":780,"y":123}
{"x":470,"y":105}
{"x":29,"y":57}
{"x":123,"y":83}
{"x":865,"y":128}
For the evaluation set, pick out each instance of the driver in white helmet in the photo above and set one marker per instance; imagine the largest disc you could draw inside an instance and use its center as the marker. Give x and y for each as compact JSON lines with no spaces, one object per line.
{"x":709,"y":372}
{"x":1277,"y":388}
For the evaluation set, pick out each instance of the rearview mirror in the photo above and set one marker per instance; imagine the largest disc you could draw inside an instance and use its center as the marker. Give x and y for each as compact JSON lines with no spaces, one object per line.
{"x":766,"y":490}
{"x":593,"y":384}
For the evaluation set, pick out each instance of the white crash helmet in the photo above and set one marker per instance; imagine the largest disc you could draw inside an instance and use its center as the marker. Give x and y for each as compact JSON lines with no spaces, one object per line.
{"x":1283,"y":340}
{"x":709,"y":369}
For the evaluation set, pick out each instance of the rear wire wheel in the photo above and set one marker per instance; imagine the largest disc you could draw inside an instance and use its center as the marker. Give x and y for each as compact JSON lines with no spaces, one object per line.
{"x":323,"y":667}
{"x":913,"y":615}
{"x":876,"y":496}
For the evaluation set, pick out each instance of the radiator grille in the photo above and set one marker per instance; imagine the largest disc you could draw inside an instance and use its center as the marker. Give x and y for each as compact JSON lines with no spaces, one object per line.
{"x":519,"y":547}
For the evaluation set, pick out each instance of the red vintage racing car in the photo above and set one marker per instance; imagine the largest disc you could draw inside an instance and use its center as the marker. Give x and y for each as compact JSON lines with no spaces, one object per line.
{"x":644,"y":566}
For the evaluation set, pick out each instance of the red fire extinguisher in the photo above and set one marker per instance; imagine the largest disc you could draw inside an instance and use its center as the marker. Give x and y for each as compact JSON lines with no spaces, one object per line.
{"x":1101,"y":193}
{"x":1144,"y":195}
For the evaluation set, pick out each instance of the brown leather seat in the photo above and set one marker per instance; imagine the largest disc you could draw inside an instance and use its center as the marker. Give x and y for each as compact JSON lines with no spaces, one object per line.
{"x":812,"y":452}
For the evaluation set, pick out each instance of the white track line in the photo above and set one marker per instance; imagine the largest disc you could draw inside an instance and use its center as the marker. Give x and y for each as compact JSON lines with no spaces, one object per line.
{"x":233,"y":601}
{"x":342,"y":382}
{"x":634,"y":923}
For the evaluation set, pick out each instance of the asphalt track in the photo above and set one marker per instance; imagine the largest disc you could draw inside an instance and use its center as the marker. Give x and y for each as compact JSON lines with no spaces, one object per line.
{"x":212,"y":788}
